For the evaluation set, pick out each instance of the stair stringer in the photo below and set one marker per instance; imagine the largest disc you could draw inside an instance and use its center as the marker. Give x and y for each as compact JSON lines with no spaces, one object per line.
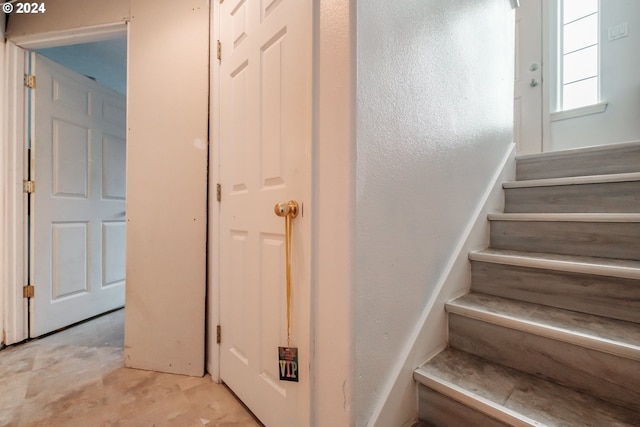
{"x":430,"y":334}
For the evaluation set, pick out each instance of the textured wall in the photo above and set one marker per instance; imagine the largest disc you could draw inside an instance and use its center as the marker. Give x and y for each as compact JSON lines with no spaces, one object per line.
{"x":434,"y":119}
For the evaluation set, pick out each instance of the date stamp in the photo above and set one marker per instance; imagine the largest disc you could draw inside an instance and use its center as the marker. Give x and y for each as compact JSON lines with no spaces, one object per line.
{"x":23,"y":7}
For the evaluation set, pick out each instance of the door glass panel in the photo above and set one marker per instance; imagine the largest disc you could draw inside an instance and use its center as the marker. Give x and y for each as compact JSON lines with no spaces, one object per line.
{"x":580,"y":34}
{"x":580,"y":65}
{"x":574,"y":9}
{"x":579,"y":94}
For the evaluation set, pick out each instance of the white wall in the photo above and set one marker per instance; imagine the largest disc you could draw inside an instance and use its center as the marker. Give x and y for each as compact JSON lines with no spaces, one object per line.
{"x":64,"y":15}
{"x":619,"y":86}
{"x":334,"y":214}
{"x":434,"y":122}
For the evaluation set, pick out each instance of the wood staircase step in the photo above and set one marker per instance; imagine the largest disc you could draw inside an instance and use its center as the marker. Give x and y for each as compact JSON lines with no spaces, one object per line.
{"x":606,"y":235}
{"x":458,"y":388}
{"x":600,"y":286}
{"x":599,"y":160}
{"x":617,"y":193}
{"x":591,"y":354}
{"x":550,"y":333}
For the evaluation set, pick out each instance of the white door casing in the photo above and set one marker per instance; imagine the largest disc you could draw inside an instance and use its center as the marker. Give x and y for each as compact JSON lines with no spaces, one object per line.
{"x":265,"y":158}
{"x":528,"y":78}
{"x":78,"y":156}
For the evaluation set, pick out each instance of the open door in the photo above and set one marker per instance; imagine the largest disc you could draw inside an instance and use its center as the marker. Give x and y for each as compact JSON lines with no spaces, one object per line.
{"x":78,"y":207}
{"x":265,"y":159}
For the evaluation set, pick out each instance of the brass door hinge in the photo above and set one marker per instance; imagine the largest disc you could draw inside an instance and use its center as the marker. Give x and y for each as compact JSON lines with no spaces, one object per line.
{"x":29,"y":187}
{"x":28,"y":291}
{"x":30,"y":81}
{"x":218,"y":334}
{"x":218,"y":192}
{"x":219,"y":50}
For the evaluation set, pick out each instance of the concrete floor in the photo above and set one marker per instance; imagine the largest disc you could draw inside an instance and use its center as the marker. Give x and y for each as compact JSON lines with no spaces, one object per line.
{"x":76,"y":378}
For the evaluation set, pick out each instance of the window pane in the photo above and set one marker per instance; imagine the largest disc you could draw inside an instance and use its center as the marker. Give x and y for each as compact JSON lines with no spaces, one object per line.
{"x":574,"y":9}
{"x":579,"y":94}
{"x":581,"y":33}
{"x":580,"y":65}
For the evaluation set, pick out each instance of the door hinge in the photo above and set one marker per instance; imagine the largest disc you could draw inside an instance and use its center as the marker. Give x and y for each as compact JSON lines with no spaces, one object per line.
{"x":218,"y":192}
{"x":28,"y":291}
{"x":219,"y":50}
{"x":28,"y":187}
{"x":218,"y":334}
{"x":30,"y":81}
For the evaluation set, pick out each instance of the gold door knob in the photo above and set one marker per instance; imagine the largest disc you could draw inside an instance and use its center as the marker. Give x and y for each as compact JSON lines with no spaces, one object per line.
{"x":286,"y":209}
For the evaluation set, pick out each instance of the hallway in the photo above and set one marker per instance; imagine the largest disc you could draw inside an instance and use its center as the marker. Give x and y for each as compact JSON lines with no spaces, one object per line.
{"x":76,"y":378}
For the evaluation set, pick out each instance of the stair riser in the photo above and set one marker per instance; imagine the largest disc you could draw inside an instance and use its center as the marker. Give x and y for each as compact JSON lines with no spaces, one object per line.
{"x":600,"y":239}
{"x":442,"y":411}
{"x":619,"y":159}
{"x":612,"y":197}
{"x":612,"y":297}
{"x":602,"y":375}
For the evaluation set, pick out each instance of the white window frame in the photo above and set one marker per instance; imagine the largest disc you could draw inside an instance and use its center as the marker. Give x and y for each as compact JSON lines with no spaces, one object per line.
{"x":556,"y":62}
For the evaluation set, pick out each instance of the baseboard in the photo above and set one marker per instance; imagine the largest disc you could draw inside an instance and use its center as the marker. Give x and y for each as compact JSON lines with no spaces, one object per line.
{"x":398,"y":403}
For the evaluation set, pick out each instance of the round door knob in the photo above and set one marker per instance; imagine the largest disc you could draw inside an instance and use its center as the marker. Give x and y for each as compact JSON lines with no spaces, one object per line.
{"x":533,"y":82}
{"x":284,"y":209}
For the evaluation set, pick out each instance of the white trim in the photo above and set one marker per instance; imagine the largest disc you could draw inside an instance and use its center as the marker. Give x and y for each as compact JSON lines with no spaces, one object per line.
{"x":547,"y":65}
{"x":72,"y":36}
{"x":213,"y":245}
{"x":430,"y":331}
{"x":12,"y":226}
{"x":579,"y":112}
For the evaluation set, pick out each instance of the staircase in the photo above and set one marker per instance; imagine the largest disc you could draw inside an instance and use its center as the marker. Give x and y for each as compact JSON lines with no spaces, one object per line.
{"x":550,"y":332}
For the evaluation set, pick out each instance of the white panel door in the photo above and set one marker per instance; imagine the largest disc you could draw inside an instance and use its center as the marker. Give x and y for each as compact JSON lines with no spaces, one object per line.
{"x":265,"y":140}
{"x":528,"y":78}
{"x":78,"y":217}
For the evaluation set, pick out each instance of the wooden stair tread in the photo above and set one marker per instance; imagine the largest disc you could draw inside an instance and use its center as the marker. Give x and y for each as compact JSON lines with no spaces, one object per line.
{"x":514,"y":397}
{"x":574,"y":180}
{"x":595,"y":332}
{"x":566,"y":217}
{"x":569,"y":263}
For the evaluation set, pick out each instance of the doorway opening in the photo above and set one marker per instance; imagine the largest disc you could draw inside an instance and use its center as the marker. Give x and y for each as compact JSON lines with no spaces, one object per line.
{"x":74,"y":155}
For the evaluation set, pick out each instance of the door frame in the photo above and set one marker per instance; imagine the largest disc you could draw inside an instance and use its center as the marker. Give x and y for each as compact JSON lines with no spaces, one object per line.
{"x":13,"y":155}
{"x":546,"y":76}
{"x":212,"y":313}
